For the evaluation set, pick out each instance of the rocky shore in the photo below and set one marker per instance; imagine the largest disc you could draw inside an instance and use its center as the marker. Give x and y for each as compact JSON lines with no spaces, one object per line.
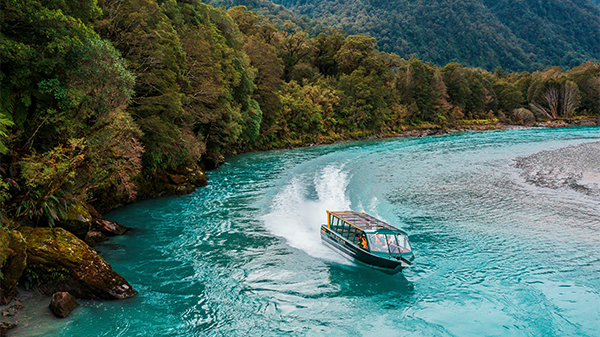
{"x":60,"y":262}
{"x":574,"y":167}
{"x":50,"y":261}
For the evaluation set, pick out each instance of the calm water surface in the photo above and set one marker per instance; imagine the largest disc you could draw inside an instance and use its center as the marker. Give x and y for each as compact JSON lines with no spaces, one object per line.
{"x":242,"y":256}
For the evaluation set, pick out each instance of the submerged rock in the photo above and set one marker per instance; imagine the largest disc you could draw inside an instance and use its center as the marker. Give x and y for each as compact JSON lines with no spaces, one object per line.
{"x":13,"y":258}
{"x":12,"y":308}
{"x":59,"y":261}
{"x":62,"y":304}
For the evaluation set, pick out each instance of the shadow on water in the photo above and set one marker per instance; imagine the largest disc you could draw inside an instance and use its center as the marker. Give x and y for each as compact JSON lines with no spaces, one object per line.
{"x":355,"y":280}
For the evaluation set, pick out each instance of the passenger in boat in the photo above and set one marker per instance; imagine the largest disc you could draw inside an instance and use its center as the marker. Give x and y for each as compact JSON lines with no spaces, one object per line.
{"x":379,"y":243}
{"x":363,"y":242}
{"x":360,"y":240}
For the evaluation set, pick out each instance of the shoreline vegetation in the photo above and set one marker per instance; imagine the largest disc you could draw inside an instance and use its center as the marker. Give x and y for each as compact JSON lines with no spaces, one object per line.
{"x":428,"y":129}
{"x":108,"y":102}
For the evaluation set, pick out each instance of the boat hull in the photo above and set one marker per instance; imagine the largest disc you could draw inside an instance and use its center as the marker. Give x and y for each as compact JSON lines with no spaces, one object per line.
{"x":354,"y":253}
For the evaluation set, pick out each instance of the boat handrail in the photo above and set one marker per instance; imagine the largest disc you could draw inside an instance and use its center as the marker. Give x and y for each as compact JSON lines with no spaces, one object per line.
{"x":351,"y":224}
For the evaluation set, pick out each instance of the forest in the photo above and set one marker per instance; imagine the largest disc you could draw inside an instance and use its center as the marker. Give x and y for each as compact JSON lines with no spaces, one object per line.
{"x":526,"y":35}
{"x":101,"y":101}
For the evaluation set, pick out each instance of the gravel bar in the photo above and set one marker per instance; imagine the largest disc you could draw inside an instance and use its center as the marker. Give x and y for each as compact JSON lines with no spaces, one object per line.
{"x":575,"y":167}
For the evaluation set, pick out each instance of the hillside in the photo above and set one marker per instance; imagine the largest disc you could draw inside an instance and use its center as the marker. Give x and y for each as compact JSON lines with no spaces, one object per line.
{"x":524,"y":35}
{"x":111,"y":101}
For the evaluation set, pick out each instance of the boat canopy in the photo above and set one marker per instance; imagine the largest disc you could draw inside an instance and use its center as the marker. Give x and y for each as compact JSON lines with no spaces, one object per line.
{"x":363,"y":221}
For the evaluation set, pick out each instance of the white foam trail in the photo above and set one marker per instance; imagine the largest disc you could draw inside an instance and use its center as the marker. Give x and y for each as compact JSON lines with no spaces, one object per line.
{"x":298,"y":219}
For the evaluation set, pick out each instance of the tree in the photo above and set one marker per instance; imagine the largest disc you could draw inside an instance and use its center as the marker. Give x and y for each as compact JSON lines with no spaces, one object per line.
{"x":587,"y":78}
{"x":65,"y":90}
{"x":552,"y":94}
{"x":418,"y":84}
{"x":355,"y":52}
{"x":457,"y":85}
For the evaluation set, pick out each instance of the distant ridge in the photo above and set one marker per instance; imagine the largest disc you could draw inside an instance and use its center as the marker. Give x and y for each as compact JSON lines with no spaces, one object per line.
{"x":525,"y":35}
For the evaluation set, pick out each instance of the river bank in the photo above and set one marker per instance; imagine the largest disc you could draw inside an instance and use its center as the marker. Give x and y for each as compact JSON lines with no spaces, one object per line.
{"x":429,"y":129}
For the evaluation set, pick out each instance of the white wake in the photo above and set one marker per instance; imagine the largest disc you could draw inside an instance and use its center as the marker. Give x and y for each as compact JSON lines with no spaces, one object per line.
{"x":297,"y":218}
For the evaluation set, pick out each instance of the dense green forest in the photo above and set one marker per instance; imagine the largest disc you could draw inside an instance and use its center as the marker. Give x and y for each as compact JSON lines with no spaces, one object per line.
{"x":524,"y":35}
{"x":103,"y":99}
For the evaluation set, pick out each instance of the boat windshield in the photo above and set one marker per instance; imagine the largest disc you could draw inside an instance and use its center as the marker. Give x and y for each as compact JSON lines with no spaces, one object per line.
{"x":378,"y":243}
{"x":394,"y":248}
{"x":403,"y":244}
{"x":395,"y":244}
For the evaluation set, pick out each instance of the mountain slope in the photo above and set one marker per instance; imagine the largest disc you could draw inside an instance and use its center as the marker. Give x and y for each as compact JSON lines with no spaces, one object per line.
{"x":516,"y":35}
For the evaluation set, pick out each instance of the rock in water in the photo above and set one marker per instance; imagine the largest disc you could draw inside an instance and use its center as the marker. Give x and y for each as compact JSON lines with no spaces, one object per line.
{"x":109,"y":228}
{"x":58,"y":261}
{"x":93,"y":237}
{"x":13,"y":258}
{"x":101,"y":230}
{"x":62,"y":304}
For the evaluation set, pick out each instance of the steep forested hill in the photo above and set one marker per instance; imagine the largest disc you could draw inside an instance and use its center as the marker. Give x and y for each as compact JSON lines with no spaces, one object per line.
{"x":516,"y":35}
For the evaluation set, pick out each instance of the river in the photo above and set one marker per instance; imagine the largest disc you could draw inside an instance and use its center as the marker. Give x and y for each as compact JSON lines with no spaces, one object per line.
{"x":495,"y":254}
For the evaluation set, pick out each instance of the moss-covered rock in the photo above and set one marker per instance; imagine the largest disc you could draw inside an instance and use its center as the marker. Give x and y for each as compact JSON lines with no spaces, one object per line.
{"x":13,"y":258}
{"x":198,"y":178}
{"x":78,"y":221}
{"x":59,"y":261}
{"x":182,"y":180}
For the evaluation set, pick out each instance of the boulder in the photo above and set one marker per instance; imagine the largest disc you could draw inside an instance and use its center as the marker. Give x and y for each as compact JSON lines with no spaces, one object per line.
{"x":214,"y":160}
{"x":62,"y":304}
{"x":78,"y":220}
{"x":59,"y":261}
{"x":93,"y":212}
{"x":198,"y":178}
{"x":178,"y":179}
{"x":94,"y":237}
{"x":13,"y":258}
{"x":192,"y":174}
{"x":109,"y":228}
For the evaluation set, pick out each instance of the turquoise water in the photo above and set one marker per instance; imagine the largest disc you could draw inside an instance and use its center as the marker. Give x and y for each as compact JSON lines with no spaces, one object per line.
{"x":242,"y":256}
